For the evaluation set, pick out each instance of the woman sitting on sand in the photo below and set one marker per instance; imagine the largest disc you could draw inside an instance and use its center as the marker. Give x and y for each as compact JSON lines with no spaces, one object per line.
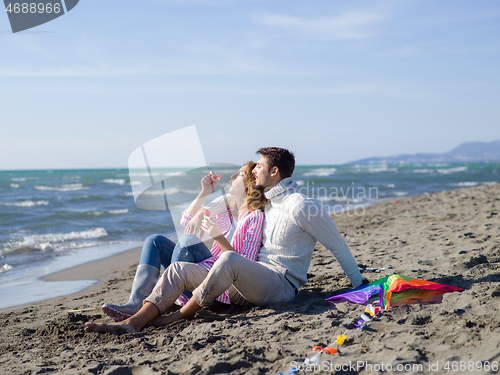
{"x":242,"y":224}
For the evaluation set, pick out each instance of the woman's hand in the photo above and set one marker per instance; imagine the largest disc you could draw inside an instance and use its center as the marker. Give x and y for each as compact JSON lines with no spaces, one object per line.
{"x":209,"y":182}
{"x":194,"y":224}
{"x":210,"y":227}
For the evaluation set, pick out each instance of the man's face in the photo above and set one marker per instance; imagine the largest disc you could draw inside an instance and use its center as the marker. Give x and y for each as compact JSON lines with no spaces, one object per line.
{"x":262,"y":174}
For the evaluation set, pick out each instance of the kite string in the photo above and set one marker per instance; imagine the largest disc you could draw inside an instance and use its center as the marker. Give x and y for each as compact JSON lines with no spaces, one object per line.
{"x":370,"y":309}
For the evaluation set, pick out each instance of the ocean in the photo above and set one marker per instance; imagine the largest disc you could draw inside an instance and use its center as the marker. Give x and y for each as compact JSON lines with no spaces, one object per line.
{"x":54,"y":219}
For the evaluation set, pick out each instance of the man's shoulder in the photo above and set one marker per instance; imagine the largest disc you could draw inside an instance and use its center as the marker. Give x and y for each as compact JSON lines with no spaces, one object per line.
{"x":297,"y":198}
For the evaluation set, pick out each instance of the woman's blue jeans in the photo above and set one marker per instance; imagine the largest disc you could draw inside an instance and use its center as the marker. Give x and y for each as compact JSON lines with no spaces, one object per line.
{"x":159,"y":251}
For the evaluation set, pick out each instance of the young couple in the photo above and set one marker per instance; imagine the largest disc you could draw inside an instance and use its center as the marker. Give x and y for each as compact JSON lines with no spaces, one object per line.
{"x":237,"y":269}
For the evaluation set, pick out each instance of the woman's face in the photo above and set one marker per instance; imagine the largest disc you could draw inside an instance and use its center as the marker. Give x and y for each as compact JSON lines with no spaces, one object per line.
{"x":237,"y":183}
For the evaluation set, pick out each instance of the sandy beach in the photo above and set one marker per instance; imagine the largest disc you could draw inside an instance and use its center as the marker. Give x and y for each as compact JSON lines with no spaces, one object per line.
{"x":450,"y":237}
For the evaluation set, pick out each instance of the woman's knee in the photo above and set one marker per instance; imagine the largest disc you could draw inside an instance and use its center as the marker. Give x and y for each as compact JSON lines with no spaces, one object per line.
{"x":188,"y":239}
{"x":153,"y":240}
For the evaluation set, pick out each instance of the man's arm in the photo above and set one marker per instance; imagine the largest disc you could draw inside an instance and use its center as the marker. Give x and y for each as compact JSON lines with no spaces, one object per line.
{"x":309,"y":215}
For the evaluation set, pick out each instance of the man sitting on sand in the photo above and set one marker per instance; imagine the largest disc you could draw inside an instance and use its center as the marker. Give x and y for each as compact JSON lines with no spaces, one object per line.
{"x":293,"y":225}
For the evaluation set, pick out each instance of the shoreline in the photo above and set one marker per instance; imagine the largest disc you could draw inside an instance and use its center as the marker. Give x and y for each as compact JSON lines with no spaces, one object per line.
{"x":450,"y":237}
{"x":66,"y":275}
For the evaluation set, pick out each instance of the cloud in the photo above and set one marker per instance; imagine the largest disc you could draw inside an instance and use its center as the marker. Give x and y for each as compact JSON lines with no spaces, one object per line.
{"x":351,"y":25}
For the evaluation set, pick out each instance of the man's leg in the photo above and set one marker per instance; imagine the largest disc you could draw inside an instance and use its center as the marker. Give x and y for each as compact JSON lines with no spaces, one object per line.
{"x":135,"y":323}
{"x":257,"y":282}
{"x":177,"y":277}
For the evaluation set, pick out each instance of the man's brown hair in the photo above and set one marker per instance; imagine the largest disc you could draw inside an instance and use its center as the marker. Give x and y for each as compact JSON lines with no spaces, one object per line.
{"x":281,"y":158}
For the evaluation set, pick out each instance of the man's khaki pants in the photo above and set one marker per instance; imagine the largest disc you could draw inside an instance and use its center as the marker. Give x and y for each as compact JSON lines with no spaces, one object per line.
{"x":246,"y":281}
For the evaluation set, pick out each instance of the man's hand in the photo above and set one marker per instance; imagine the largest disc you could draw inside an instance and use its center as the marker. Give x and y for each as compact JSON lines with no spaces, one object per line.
{"x":194,"y":224}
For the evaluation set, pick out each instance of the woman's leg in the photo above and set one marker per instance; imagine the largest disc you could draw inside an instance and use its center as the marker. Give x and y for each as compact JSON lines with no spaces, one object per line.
{"x":190,"y":249}
{"x":156,"y":251}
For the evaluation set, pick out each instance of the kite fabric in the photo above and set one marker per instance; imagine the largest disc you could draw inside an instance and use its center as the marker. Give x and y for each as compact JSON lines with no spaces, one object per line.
{"x":397,"y":289}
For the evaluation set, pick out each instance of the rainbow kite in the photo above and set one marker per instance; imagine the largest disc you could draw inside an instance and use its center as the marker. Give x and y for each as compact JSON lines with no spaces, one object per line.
{"x":397,"y":290}
{"x":394,"y":289}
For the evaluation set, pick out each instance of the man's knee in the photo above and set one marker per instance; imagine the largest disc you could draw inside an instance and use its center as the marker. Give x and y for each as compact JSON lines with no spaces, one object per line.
{"x":228,"y":257}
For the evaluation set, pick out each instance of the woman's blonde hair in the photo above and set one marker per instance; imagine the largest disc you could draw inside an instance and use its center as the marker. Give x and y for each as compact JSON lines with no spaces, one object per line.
{"x":256,"y":200}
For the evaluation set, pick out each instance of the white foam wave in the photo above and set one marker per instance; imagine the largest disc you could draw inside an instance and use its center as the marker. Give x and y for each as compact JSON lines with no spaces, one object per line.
{"x":19,"y":179}
{"x":118,"y":212}
{"x":68,"y":187}
{"x":441,"y":165}
{"x":167,"y":191}
{"x":300,"y":182}
{"x":27,"y":204}
{"x":321,"y":172}
{"x":400,"y":193}
{"x":466,"y":184}
{"x":135,"y":183}
{"x":389,"y":186}
{"x":112,"y":212}
{"x":451,"y":170}
{"x":119,"y":181}
{"x":170,"y":174}
{"x":14,"y":186}
{"x":423,"y":170}
{"x":5,"y":268}
{"x":373,"y":168}
{"x":49,"y":241}
{"x":490,"y":183}
{"x":143,"y":174}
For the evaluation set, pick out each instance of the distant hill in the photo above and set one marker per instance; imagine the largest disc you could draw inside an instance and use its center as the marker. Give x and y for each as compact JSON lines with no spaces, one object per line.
{"x":466,"y":152}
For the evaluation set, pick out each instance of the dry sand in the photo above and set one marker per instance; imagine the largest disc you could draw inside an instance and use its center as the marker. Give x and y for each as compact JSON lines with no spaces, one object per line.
{"x":449,"y":237}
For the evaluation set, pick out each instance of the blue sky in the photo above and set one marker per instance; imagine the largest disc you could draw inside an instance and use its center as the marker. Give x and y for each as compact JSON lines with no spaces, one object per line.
{"x":333,"y":81}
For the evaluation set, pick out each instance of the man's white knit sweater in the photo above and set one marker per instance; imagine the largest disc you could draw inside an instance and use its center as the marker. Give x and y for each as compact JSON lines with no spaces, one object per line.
{"x":293,"y":224}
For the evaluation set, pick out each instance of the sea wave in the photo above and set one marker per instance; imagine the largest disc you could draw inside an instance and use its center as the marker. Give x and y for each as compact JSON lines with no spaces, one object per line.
{"x":423,"y":170}
{"x":143,"y":174}
{"x":5,"y":268}
{"x":373,"y":168}
{"x":490,"y":183}
{"x":119,"y":181}
{"x":389,"y":186}
{"x":438,"y":165}
{"x":26,"y":204}
{"x":321,"y":172}
{"x":451,"y":170}
{"x":466,"y":184}
{"x":167,"y":191}
{"x":68,"y":187}
{"x":400,"y":193}
{"x":51,"y":241}
{"x":14,"y":186}
{"x":19,"y":179}
{"x":112,"y":212}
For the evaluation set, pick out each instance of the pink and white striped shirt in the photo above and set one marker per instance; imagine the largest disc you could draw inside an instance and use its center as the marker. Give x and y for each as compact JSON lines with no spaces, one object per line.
{"x":247,"y":241}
